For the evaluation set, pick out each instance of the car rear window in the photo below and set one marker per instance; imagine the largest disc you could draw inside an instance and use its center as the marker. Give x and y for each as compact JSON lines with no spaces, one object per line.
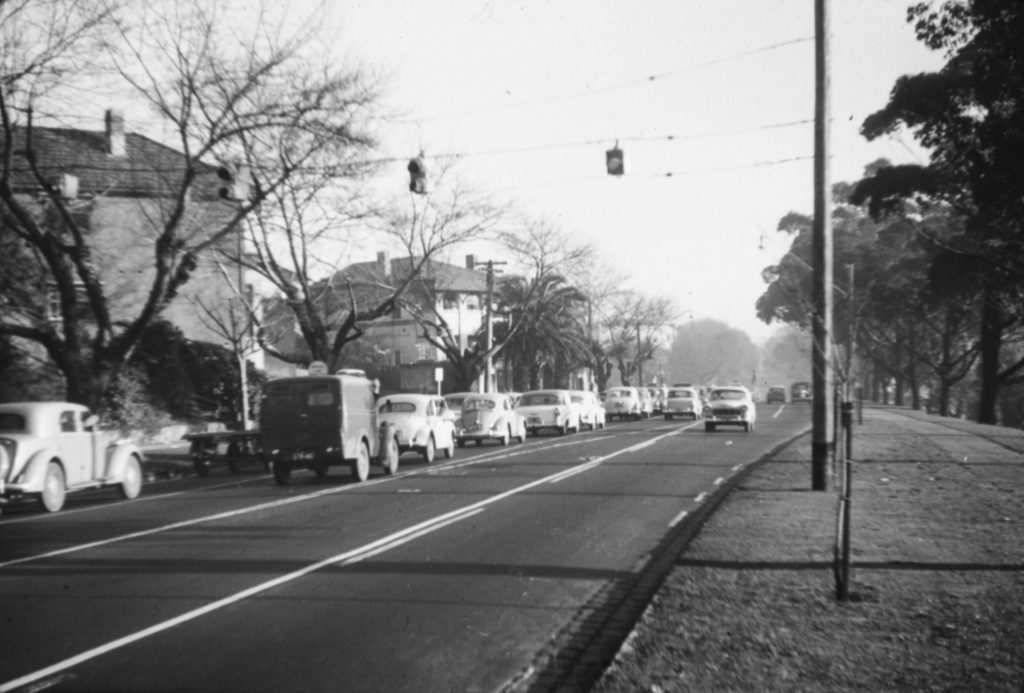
{"x":13,"y":423}
{"x":478,"y":404}
{"x":397,"y":408}
{"x":539,"y":400}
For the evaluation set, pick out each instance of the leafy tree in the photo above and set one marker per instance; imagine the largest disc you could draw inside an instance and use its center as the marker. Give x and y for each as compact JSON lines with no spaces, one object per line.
{"x":971,"y":116}
{"x":711,"y":352}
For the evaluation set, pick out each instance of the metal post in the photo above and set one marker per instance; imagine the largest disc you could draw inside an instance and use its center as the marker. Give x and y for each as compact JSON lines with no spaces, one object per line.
{"x":488,"y":385}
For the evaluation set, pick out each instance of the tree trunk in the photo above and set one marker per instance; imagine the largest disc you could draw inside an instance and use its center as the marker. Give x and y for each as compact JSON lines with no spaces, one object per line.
{"x":991,"y":342}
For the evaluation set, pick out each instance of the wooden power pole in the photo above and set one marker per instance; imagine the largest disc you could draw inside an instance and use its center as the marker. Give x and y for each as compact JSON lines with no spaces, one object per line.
{"x":821,"y":358}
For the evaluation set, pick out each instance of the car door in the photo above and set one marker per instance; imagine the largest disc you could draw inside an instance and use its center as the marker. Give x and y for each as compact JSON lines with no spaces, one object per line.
{"x":75,"y":447}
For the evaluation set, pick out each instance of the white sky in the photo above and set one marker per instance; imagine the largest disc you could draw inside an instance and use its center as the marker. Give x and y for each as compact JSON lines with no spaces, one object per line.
{"x":476,"y":77}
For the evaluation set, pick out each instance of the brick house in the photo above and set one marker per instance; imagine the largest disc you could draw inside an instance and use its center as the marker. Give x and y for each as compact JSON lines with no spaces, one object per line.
{"x":118,"y":186}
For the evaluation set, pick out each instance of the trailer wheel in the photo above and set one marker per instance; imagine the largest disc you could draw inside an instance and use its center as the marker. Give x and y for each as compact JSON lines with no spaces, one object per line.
{"x":361,"y":464}
{"x":282,"y":472}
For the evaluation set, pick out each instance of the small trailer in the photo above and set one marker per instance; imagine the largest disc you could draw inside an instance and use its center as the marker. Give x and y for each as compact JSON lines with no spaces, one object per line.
{"x":235,"y":448}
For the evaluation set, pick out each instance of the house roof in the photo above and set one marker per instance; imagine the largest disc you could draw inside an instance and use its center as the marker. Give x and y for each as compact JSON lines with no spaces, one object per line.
{"x":148,"y":168}
{"x":443,"y":276}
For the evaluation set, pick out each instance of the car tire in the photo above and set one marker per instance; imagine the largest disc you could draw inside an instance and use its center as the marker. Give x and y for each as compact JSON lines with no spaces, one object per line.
{"x":390,"y":456}
{"x":522,"y":435}
{"x":462,"y":442}
{"x":233,"y":453}
{"x":55,"y":489}
{"x":131,"y":481}
{"x":201,"y":467}
{"x":506,"y":438}
{"x":360,"y":466}
{"x":563,"y":430}
{"x":319,"y":468}
{"x":282,"y":472}
{"x":709,"y":427}
{"x":449,"y":452}
{"x":429,"y":451}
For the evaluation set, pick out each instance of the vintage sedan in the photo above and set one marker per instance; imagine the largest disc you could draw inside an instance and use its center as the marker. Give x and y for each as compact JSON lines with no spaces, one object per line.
{"x":549,"y":409}
{"x":622,"y":402}
{"x":730,"y":405}
{"x":776,"y":395}
{"x":683,"y":401}
{"x":591,"y":409}
{"x":490,"y":416}
{"x":422,"y":423}
{"x":50,"y":449}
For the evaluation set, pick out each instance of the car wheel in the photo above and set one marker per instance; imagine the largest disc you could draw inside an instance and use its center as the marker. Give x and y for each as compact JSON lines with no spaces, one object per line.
{"x":282,"y":472}
{"x":54,"y":488}
{"x":320,"y":469}
{"x":563,"y":429}
{"x":522,"y":435}
{"x":361,"y":464}
{"x":429,"y":451}
{"x":505,"y":438}
{"x":449,"y":452}
{"x":131,"y":482}
{"x":709,"y":427}
{"x":202,"y":467}
{"x":390,"y":456}
{"x":462,"y":442}
{"x":234,"y":452}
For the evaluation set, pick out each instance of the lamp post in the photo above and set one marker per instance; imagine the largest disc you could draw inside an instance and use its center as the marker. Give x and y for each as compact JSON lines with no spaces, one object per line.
{"x":488,"y":360}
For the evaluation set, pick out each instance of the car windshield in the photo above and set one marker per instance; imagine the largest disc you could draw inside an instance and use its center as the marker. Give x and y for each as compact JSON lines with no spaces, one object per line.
{"x":727,"y":394}
{"x":478,"y":404}
{"x":390,"y":407}
{"x":620,"y":393}
{"x":681,"y":393}
{"x":13,"y":423}
{"x":539,"y":399}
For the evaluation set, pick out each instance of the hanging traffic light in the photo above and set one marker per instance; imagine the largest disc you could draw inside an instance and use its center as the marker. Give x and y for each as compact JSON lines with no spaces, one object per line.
{"x":418,"y":175}
{"x":614,"y":161}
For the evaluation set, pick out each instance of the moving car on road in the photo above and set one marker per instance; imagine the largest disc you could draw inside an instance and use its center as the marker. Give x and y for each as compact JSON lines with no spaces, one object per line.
{"x":490,"y":416}
{"x":549,"y":409}
{"x":730,"y":405}
{"x":683,"y":401}
{"x":800,"y":392}
{"x":776,"y":395}
{"x":50,"y":449}
{"x":422,"y":423}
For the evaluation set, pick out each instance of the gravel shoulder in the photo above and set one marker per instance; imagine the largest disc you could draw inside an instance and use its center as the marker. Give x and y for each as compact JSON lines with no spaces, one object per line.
{"x":937,"y":586}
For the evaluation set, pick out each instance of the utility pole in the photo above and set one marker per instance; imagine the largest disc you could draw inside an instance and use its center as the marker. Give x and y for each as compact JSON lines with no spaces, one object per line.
{"x":488,"y":364}
{"x":821,"y":358}
{"x":639,"y":361}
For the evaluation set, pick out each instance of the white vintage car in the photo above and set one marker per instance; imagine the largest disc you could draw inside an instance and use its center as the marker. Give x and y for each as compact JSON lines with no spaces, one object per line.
{"x":422,"y":423}
{"x":549,"y":409}
{"x":730,"y":405}
{"x":490,"y":416}
{"x":49,"y":449}
{"x":683,"y":401}
{"x":623,"y":402}
{"x":591,"y":409}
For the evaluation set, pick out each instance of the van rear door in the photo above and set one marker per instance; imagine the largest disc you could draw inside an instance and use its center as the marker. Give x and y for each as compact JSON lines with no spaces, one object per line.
{"x":302,"y":414}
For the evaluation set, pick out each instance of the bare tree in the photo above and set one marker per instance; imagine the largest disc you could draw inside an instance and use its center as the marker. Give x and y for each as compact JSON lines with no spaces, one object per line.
{"x":271,"y":101}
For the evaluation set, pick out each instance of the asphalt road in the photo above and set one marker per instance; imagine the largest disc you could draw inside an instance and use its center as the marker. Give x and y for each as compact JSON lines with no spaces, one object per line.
{"x":451,"y":577}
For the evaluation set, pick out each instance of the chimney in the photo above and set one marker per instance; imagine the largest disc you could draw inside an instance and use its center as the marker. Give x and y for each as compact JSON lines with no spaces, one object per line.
{"x":470,"y":262}
{"x":383,"y":264}
{"x":115,"y":133}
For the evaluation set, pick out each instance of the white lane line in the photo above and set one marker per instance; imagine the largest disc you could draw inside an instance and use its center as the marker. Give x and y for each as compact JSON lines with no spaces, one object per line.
{"x":737,"y":467}
{"x":678,"y":518}
{"x":561,"y":476}
{"x":347,"y":558}
{"x":700,"y":497}
{"x":486,"y":457}
{"x":719,"y":481}
{"x":776,"y":414}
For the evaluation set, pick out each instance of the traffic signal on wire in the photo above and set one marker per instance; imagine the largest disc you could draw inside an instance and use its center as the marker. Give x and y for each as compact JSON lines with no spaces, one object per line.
{"x":418,"y":175}
{"x":614,"y":161}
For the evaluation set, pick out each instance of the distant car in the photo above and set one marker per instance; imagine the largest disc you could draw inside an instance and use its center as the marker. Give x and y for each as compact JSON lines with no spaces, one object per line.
{"x":50,"y":449}
{"x":490,"y":416}
{"x":800,"y":392}
{"x":549,"y":409}
{"x":622,"y":402}
{"x":730,"y":405}
{"x":646,"y":403}
{"x":422,"y":423}
{"x":683,"y":401}
{"x":776,"y":395}
{"x":658,"y":396}
{"x":591,"y":409}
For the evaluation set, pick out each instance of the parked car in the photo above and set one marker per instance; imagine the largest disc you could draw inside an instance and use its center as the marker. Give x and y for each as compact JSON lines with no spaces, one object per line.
{"x":454,"y":402}
{"x":683,"y":401}
{"x":622,"y":402}
{"x":776,"y":395}
{"x":730,"y":405}
{"x":800,"y":392}
{"x":549,"y":409}
{"x":50,"y":449}
{"x":646,"y":403}
{"x":591,"y":411}
{"x":315,"y":421}
{"x":422,"y":424}
{"x":659,"y":395}
{"x":490,"y":416}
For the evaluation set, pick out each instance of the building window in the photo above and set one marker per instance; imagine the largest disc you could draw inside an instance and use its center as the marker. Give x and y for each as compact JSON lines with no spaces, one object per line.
{"x":472,"y":302}
{"x":450,"y":300}
{"x":422,"y":350}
